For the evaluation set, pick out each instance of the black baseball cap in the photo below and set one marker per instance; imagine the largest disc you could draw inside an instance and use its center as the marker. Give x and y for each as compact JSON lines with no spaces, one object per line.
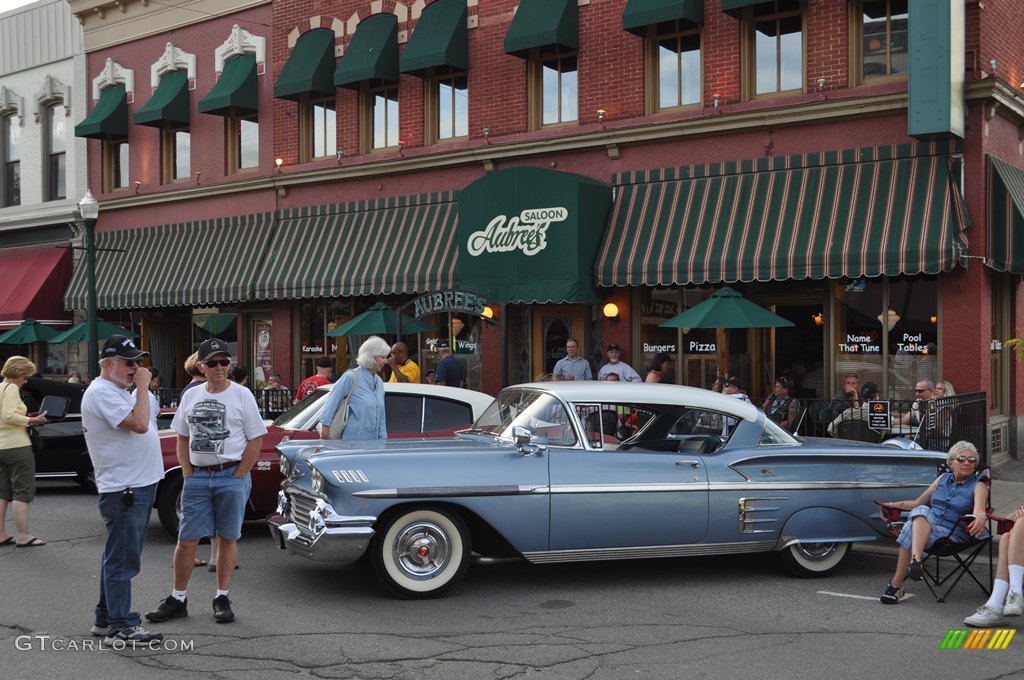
{"x":442,"y":344}
{"x":324,"y":363}
{"x":868,"y":391}
{"x":612,"y":346}
{"x":121,"y":346}
{"x":212,"y":347}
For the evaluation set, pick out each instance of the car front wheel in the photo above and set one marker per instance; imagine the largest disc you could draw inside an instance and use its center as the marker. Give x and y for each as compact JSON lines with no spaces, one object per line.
{"x":420,"y":552}
{"x":814,"y":560}
{"x":168,"y":504}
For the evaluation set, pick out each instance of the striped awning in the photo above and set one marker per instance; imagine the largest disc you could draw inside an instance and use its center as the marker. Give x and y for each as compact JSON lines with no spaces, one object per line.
{"x":394,"y":245}
{"x":1005,"y":217}
{"x":859,"y":212}
{"x":195,"y":264}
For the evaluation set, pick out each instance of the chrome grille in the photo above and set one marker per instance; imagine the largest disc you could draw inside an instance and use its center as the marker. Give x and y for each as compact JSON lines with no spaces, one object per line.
{"x":302,"y":507}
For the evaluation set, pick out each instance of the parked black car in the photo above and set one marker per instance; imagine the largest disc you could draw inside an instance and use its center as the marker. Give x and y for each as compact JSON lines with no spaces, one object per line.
{"x":64,"y":453}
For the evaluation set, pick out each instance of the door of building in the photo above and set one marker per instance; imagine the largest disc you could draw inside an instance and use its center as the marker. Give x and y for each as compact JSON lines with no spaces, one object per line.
{"x":551,"y":326}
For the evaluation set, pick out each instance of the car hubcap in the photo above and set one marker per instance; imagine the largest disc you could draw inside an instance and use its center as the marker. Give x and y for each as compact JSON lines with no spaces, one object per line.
{"x":421,"y":550}
{"x":817,"y":551}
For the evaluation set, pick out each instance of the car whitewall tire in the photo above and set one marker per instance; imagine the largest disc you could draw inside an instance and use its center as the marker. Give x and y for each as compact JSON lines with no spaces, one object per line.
{"x":421,"y":552}
{"x":813,"y":560}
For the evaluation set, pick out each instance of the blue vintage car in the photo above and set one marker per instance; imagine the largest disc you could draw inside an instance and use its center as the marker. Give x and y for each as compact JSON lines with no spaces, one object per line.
{"x":562,"y":472}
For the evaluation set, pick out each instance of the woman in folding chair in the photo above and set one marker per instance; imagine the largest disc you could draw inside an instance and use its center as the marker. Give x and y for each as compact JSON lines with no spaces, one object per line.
{"x":937,"y":513}
{"x":1006,"y":599}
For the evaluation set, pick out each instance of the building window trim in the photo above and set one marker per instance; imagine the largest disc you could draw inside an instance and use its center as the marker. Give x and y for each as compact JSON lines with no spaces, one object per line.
{"x":432,"y":105}
{"x":307,"y":128}
{"x":748,"y":53}
{"x":233,"y":144}
{"x":169,"y":155}
{"x":856,"y":48}
{"x":367,"y":129}
{"x":652,"y":67}
{"x":50,"y":189}
{"x":10,"y":186}
{"x":535,"y":85}
{"x":111,"y":153}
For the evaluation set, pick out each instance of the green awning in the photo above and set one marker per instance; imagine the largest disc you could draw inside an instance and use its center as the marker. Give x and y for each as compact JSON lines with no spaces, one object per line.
{"x":395,"y":245}
{"x":1005,"y":217}
{"x":530,"y":235}
{"x":109,"y":118}
{"x":735,"y":7}
{"x":543,"y":23}
{"x":639,"y":14}
{"x":309,"y":68}
{"x":372,"y":54}
{"x":168,"y":107}
{"x":439,"y":39}
{"x":858,"y":212}
{"x":215,"y":324}
{"x":157,"y":266}
{"x":236,"y":92}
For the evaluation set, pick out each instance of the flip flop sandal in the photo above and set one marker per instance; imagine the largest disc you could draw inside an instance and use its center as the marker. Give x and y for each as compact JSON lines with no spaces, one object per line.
{"x":8,"y":541}
{"x":199,"y":563}
{"x":213,"y":567}
{"x":30,"y":543}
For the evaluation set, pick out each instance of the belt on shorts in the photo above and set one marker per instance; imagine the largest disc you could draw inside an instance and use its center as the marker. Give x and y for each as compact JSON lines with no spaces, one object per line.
{"x":216,"y":468}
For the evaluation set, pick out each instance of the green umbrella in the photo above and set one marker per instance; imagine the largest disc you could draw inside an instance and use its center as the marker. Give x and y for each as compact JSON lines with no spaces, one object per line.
{"x":727,"y":309}
{"x":79,"y":331}
{"x":28,"y":332}
{"x":379,"y":319}
{"x":723,"y":310}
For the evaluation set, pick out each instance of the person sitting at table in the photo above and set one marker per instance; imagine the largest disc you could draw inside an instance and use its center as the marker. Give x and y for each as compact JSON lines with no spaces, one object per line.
{"x":923,"y":391}
{"x":780,"y":406}
{"x":858,"y":409}
{"x":937,"y":513}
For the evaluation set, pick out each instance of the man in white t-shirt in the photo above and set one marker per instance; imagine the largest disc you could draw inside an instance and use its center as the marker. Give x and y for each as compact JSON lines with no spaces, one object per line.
{"x":219,"y":431}
{"x":617,"y":367}
{"x":125,"y":453}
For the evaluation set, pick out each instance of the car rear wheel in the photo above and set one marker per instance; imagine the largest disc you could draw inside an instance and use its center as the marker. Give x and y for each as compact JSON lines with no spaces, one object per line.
{"x":814,"y":560}
{"x":420,"y":552}
{"x":168,"y":504}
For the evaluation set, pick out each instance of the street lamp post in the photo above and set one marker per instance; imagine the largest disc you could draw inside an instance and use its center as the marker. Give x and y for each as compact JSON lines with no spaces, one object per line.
{"x":90,"y":209}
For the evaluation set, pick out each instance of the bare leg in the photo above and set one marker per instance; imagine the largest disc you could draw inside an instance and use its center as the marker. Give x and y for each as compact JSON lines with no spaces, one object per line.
{"x":1015,"y":547}
{"x":227,"y":559}
{"x":20,"y":509}
{"x":920,"y":531}
{"x":3,"y":520}
{"x":184,"y":562}
{"x":902,"y":565}
{"x":1003,"y":564}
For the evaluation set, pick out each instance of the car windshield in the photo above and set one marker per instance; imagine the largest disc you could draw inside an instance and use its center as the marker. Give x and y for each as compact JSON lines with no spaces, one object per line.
{"x":538,"y":411}
{"x":298,"y":416}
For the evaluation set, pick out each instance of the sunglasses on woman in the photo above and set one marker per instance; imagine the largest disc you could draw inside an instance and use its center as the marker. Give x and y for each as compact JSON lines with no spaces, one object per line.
{"x":966,"y":459}
{"x":217,"y":362}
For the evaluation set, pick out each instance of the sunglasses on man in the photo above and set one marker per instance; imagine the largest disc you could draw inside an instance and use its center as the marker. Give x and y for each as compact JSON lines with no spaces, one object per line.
{"x":217,"y":362}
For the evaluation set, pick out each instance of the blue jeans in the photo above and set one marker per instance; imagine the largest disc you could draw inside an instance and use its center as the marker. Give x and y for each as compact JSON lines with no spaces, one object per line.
{"x":122,"y":555}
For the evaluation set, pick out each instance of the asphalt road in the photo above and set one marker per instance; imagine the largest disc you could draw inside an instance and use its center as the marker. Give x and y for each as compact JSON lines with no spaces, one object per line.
{"x":729,"y":617}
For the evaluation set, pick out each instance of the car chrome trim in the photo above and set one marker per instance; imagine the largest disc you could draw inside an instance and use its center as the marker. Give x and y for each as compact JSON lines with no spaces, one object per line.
{"x":786,"y":541}
{"x":749,"y":506}
{"x":700,"y":485}
{"x":646,"y":552}
{"x":803,"y":486}
{"x":350,"y":476}
{"x":450,"y":491}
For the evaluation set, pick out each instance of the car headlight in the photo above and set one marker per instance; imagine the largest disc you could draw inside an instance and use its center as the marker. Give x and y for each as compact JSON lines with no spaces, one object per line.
{"x":317,"y":480}
{"x":286,"y":467}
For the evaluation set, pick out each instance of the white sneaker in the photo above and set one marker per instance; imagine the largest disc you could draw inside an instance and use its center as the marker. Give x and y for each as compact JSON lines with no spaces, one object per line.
{"x":1014,"y":604}
{"x":985,"y":617}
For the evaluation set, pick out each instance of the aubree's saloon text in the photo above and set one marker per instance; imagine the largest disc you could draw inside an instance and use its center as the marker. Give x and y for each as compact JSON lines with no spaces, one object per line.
{"x":527,"y":232}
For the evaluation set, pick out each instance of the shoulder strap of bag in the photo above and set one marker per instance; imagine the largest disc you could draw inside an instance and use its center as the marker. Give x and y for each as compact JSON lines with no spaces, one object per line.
{"x":355,"y":379}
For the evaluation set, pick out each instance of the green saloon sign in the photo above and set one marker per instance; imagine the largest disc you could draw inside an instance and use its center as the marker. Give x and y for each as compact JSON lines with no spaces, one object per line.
{"x":531,"y":235}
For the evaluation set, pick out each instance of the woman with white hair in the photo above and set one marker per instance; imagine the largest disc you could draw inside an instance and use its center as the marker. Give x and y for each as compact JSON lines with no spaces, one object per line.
{"x":938,"y":513}
{"x":366,"y":403}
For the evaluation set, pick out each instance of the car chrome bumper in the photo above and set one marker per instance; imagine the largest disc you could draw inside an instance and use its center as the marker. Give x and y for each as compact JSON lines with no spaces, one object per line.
{"x":327,"y":536}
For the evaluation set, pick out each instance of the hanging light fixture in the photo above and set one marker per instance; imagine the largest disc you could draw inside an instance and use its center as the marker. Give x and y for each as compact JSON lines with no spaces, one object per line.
{"x":889,"y":318}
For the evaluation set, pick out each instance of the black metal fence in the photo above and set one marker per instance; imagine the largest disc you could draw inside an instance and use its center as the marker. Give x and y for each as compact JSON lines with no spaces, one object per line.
{"x":272,"y":403}
{"x":935,"y":424}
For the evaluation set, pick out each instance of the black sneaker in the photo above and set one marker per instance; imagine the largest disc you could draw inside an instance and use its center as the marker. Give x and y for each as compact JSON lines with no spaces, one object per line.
{"x":131,"y":635}
{"x":168,"y":609}
{"x":222,"y":609}
{"x":892,"y":594}
{"x":916,"y":571}
{"x":102,"y":631}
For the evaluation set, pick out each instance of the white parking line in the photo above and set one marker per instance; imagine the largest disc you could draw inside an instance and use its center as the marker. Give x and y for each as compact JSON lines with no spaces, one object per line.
{"x":857,"y":597}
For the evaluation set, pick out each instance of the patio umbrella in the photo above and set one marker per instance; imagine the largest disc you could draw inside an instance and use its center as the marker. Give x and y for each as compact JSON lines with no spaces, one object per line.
{"x":28,"y":332}
{"x":79,"y":331}
{"x":379,"y":319}
{"x":724,"y":310}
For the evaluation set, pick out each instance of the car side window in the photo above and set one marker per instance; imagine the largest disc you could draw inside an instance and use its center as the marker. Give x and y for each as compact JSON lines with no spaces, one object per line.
{"x":404,"y":413}
{"x":445,"y":414}
{"x":606,"y":425}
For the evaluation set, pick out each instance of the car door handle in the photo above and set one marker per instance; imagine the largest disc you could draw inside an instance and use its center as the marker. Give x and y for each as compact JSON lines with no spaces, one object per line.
{"x":695,"y":464}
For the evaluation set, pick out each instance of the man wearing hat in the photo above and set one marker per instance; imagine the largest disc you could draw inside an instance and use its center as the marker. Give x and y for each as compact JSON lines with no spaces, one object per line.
{"x":219,"y":431}
{"x":450,"y":370}
{"x":619,"y":368}
{"x":309,"y":385}
{"x":125,"y":452}
{"x":732,"y":388}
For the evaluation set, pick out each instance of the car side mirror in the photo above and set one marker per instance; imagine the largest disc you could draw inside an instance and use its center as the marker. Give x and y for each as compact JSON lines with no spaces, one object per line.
{"x":521,"y":436}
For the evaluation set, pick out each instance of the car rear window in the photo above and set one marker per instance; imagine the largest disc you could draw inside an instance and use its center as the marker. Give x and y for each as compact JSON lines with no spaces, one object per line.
{"x":445,"y":414}
{"x":404,"y":412}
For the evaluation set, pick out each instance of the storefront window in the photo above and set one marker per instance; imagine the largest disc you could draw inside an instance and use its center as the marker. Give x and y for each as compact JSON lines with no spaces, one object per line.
{"x":911,"y":320}
{"x":657,"y":305}
{"x":316,"y":318}
{"x":463,"y":334}
{"x":857,"y":332}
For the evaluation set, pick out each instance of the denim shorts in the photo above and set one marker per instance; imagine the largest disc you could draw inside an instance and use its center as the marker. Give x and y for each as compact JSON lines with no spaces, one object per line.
{"x":213,"y":504}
